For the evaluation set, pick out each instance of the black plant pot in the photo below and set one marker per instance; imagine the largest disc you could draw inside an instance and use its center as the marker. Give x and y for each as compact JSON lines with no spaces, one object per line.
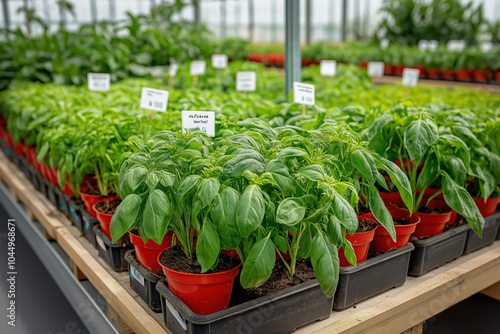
{"x":88,"y":225}
{"x":112,"y":253}
{"x":490,"y":233}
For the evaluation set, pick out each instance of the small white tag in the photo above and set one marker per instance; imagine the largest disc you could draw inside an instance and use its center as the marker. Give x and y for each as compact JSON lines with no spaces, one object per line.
{"x":432,"y":45}
{"x":201,"y":120}
{"x":198,"y":67}
{"x":176,"y":315}
{"x":219,"y":61}
{"x":99,"y":81}
{"x":100,"y":242}
{"x":423,"y":45}
{"x":328,"y":68}
{"x":136,"y":275}
{"x":410,"y":76}
{"x":303,"y":93}
{"x":154,"y":99}
{"x":486,"y":47}
{"x":172,"y":71}
{"x":384,"y":44}
{"x":375,"y":68}
{"x":246,"y":81}
{"x":456,"y":45}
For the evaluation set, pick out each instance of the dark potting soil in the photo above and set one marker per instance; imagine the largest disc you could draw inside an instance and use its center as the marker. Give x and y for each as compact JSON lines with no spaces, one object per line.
{"x":365,"y":225}
{"x":108,"y":207}
{"x":432,"y":211}
{"x":279,"y":280}
{"x":363,"y":209}
{"x":402,"y":221}
{"x":175,"y":259}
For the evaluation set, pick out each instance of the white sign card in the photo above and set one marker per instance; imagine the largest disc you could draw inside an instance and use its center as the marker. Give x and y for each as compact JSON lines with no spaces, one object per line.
{"x":432,"y":45}
{"x":219,"y":61}
{"x":201,"y":120}
{"x":486,"y":47}
{"x":456,"y":45}
{"x":198,"y":67}
{"x":303,"y":93}
{"x":410,"y":76}
{"x":99,"y":81}
{"x":423,"y":45}
{"x":375,"y":68}
{"x":154,"y":99}
{"x":246,"y":81}
{"x":172,"y":70}
{"x":384,"y":43}
{"x":328,"y":68}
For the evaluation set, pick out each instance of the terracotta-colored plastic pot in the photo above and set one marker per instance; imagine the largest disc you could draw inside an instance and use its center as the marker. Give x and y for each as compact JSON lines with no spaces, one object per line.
{"x":231,"y":252}
{"x":202,"y":293}
{"x":390,"y":197}
{"x":19,"y":148}
{"x":430,"y":224}
{"x":431,"y":191}
{"x":53,"y":176}
{"x":275,"y":59}
{"x":480,"y":76}
{"x":382,"y":242}
{"x":398,"y":70}
{"x":434,"y":73}
{"x":103,"y":218}
{"x":361,"y":243}
{"x":464,"y":75}
{"x":90,"y":200}
{"x":423,"y":72}
{"x":256,"y":57}
{"x":3,"y":123}
{"x":489,"y":207}
{"x":496,"y":76}
{"x":363,"y":64}
{"x":388,"y":69}
{"x":147,"y":253}
{"x":29,"y":153}
{"x":448,"y":74}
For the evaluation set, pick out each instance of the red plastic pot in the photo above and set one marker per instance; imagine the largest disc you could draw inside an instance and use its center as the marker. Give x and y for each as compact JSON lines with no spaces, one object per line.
{"x":147,"y":253}
{"x":448,"y":74}
{"x":398,"y":70}
{"x":382,"y":241}
{"x":361,"y":243}
{"x":496,"y":76}
{"x":390,"y":197}
{"x":363,"y":64}
{"x":53,"y":176}
{"x":19,"y":148}
{"x":275,"y":59}
{"x":431,"y":191}
{"x":256,"y":57}
{"x":434,"y":73}
{"x":489,"y":207}
{"x":388,"y":69}
{"x":30,"y":154}
{"x":464,"y":75}
{"x":103,"y":218}
{"x":430,"y":224}
{"x":480,"y":76}
{"x":202,"y":293}
{"x":90,"y":200}
{"x":422,"y":70}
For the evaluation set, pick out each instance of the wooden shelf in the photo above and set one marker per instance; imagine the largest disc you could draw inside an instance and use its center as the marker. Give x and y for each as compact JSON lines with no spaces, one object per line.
{"x":394,"y":311}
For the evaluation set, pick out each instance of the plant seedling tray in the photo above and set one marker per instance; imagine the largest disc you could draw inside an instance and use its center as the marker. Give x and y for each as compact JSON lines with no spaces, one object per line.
{"x":372,"y":277}
{"x":437,"y":250}
{"x":143,"y":281}
{"x":280,"y":312}
{"x":87,"y":226}
{"x":490,"y":231}
{"x":112,"y":253}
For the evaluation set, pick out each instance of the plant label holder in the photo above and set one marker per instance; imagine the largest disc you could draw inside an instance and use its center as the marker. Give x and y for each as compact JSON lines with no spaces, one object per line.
{"x":197,"y":68}
{"x":99,"y":81}
{"x":303,"y":94}
{"x":154,"y":99}
{"x":246,"y":81}
{"x":375,"y":69}
{"x":201,"y":120}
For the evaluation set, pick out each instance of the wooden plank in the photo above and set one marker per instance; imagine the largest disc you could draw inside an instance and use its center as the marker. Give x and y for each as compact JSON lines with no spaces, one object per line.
{"x":118,"y":322}
{"x":419,"y":299}
{"x":113,"y":292}
{"x":493,"y":291}
{"x":418,"y":329}
{"x":391,"y":80}
{"x":76,"y":271}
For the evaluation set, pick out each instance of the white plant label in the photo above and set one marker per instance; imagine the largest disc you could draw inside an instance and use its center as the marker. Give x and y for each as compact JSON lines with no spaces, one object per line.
{"x":432,"y":45}
{"x":99,"y":81}
{"x":375,"y":68}
{"x":136,"y":275}
{"x":177,"y":316}
{"x":456,"y":45}
{"x":423,"y":45}
{"x":157,"y":71}
{"x":219,"y":62}
{"x":100,"y":242}
{"x":384,"y":44}
{"x":172,"y":70}
{"x":154,"y":99}
{"x":328,"y":68}
{"x":201,"y":120}
{"x":486,"y":47}
{"x":246,"y":81}
{"x":410,"y":76}
{"x":198,"y":67}
{"x":303,"y":93}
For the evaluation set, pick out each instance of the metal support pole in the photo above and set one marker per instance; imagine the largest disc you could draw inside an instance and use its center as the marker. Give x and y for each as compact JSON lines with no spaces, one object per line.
{"x":367,"y":18}
{"x":274,"y":18}
{"x":223,"y":18}
{"x":293,"y":59}
{"x":112,"y":10}
{"x":196,"y":9}
{"x":250,"y":20}
{"x":331,"y":22}
{"x":308,"y":22}
{"x":357,"y":20}
{"x":344,"y":20}
{"x":93,"y":11}
{"x":62,"y":16}
{"x":6,"y":16}
{"x":27,"y":18}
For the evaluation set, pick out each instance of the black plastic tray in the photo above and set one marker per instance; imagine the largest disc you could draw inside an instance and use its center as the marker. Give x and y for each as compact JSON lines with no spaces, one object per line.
{"x":372,"y":277}
{"x":143,"y":281}
{"x":35,"y":178}
{"x":490,"y":231}
{"x":63,"y":201}
{"x":88,"y":223}
{"x":112,"y":253}
{"x":438,"y":250}
{"x":281,"y":312}
{"x":53,"y":196}
{"x":75,"y":214}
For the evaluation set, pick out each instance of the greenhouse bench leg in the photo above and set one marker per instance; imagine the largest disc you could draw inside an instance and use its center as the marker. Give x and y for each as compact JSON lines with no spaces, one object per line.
{"x":418,"y":329}
{"x":117,"y":321}
{"x":493,"y":291}
{"x":76,"y":271}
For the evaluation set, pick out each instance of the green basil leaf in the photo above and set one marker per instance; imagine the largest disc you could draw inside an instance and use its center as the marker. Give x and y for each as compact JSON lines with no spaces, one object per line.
{"x":250,"y":210}
{"x":223,"y":213}
{"x":209,"y":188}
{"x":379,"y":210}
{"x":156,"y":216}
{"x":259,"y":263}
{"x":418,"y":138}
{"x":207,"y":246}
{"x":364,"y":163}
{"x":125,"y":217}
{"x":325,"y":262}
{"x":290,"y":212}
